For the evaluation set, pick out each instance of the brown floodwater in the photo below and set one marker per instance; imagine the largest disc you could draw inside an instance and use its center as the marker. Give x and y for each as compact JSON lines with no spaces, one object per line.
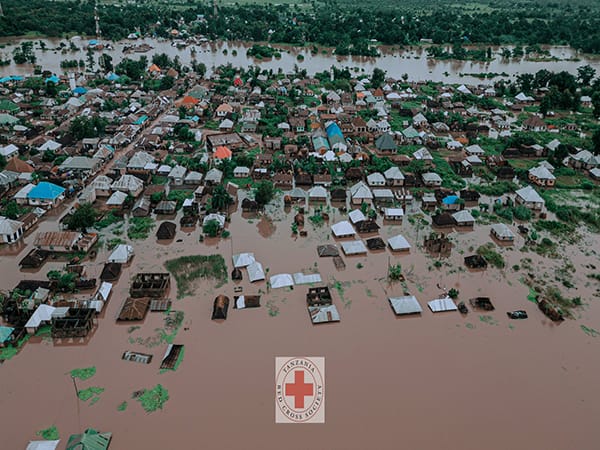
{"x":394,"y":61}
{"x":429,"y":381}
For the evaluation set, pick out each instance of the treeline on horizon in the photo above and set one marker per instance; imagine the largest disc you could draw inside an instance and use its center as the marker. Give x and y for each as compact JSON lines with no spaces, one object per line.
{"x":339,"y":23}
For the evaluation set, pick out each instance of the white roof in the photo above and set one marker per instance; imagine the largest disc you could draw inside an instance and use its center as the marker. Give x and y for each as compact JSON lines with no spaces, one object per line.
{"x":104,"y":291}
{"x":177,"y":172}
{"x":356,"y":215}
{"x":422,"y":153}
{"x":218,"y":217}
{"x":529,"y":194}
{"x":322,"y":314}
{"x":405,"y":305}
{"x":43,"y":313}
{"x":255,"y":272}
{"x":383,"y":193}
{"x":361,"y":190}
{"x":375,"y":178}
{"x":431,"y":176}
{"x":442,"y":304}
{"x":214,"y":175}
{"x":300,"y":278}
{"x":462,"y":88}
{"x":42,"y":445}
{"x":542,"y":173}
{"x":317,"y":192}
{"x":281,"y":280}
{"x":243,"y":259}
{"x":343,"y":228}
{"x":474,"y":150}
{"x":50,"y":145}
{"x":393,"y":211}
{"x":394,"y":173}
{"x":502,"y":230}
{"x":121,"y":254}
{"x":9,"y":226}
{"x":354,"y":247}
{"x":398,"y":242}
{"x":463,"y":216}
{"x":117,"y":198}
{"x":127,"y":182}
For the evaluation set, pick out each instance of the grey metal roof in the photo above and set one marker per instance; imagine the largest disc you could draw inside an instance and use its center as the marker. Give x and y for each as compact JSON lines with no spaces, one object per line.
{"x":405,"y":305}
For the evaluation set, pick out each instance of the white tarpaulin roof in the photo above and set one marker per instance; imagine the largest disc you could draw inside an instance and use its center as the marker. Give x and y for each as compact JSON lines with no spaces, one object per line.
{"x":255,"y":272}
{"x":42,"y":445}
{"x":281,"y":280}
{"x":442,"y":304}
{"x":343,"y":228}
{"x":243,"y":259}
{"x":398,"y":242}
{"x":405,"y":305}
{"x":122,"y":254}
{"x":42,"y":314}
{"x":300,"y":278}
{"x":354,"y":247}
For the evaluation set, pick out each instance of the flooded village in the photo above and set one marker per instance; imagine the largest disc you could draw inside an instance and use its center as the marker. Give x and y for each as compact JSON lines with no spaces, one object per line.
{"x":166,"y":234}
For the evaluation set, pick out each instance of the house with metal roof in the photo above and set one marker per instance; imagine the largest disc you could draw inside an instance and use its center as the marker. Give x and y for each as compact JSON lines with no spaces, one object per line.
{"x":11,"y":231}
{"x":46,"y":194}
{"x":360,"y":192}
{"x":80,"y":165}
{"x":541,"y":176}
{"x":405,"y":305}
{"x":89,"y":440}
{"x":129,"y":184}
{"x":529,"y":198}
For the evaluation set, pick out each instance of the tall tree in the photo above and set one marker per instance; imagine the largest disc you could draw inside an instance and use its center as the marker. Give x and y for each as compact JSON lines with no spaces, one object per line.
{"x":83,"y":218}
{"x":585,"y":74}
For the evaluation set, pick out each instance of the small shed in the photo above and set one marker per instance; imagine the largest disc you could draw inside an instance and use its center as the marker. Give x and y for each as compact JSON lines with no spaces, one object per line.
{"x":134,"y":309}
{"x":166,"y":207}
{"x":328,"y":250}
{"x":354,"y":248}
{"x":442,"y":304}
{"x":246,"y":301}
{"x":323,"y":314}
{"x":399,"y":243}
{"x":255,"y":272}
{"x":375,"y":243}
{"x":220,"y":307}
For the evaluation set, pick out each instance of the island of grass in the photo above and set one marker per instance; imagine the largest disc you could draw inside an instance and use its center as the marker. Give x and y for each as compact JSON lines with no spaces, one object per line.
{"x":83,"y":374}
{"x":491,"y":256}
{"x":187,"y":269}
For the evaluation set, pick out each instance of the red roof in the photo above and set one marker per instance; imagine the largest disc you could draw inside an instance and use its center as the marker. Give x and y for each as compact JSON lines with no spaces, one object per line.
{"x":222,"y":152}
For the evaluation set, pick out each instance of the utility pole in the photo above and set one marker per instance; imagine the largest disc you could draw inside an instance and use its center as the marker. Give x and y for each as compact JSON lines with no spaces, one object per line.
{"x":215,"y":8}
{"x":97,"y":20}
{"x":1,"y":11}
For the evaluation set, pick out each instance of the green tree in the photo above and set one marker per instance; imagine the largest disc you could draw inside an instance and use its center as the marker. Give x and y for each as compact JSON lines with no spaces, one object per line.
{"x":220,"y":199}
{"x":83,"y":218}
{"x":211,"y":228}
{"x":105,"y":62}
{"x":264,"y":192}
{"x":12,"y":210}
{"x":51,"y":90}
{"x":585,"y":74}
{"x":378,"y":77}
{"x":596,"y":142}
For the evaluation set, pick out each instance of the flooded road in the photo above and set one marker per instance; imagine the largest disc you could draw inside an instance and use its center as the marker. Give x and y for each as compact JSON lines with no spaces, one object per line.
{"x":430,"y":381}
{"x":394,"y":61}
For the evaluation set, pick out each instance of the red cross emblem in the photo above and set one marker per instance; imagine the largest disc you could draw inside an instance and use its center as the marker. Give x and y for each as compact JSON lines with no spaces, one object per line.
{"x":299,"y":389}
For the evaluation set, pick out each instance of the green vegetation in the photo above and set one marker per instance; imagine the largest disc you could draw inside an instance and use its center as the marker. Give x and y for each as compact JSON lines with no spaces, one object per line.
{"x":83,"y":374}
{"x":153,"y":399}
{"x":491,"y":255}
{"x":140,"y":227}
{"x":84,"y":217}
{"x":49,"y":434}
{"x":109,"y":219}
{"x":122,"y":406}
{"x":264,"y":192}
{"x":90,"y":393}
{"x":496,"y":189}
{"x":263,"y":51}
{"x":187,"y":269}
{"x":395,"y":272}
{"x":9,"y":352}
{"x":211,"y":228}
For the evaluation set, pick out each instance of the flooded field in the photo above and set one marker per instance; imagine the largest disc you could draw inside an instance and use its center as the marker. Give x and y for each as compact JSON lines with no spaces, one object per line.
{"x":475,"y":381}
{"x":394,"y":61}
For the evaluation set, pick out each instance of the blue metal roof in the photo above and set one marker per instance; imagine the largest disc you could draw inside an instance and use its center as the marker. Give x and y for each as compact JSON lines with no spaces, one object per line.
{"x":79,"y":90}
{"x":333,"y":130}
{"x":5,"y":333}
{"x":141,"y":120}
{"x":46,"y":191}
{"x":54,"y":79}
{"x":450,"y":200}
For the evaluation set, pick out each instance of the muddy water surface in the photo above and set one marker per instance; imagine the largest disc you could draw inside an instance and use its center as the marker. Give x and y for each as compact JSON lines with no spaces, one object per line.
{"x":431,"y":381}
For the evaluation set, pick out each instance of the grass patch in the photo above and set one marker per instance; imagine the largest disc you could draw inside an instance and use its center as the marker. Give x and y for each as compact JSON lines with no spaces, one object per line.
{"x":9,"y":352}
{"x":153,"y":399}
{"x":122,"y":406}
{"x":90,"y":393}
{"x":491,"y":256}
{"x":140,"y":227}
{"x":488,"y":319}
{"x":187,"y":269}
{"x":109,"y":219}
{"x":49,"y":434}
{"x":83,"y":374}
